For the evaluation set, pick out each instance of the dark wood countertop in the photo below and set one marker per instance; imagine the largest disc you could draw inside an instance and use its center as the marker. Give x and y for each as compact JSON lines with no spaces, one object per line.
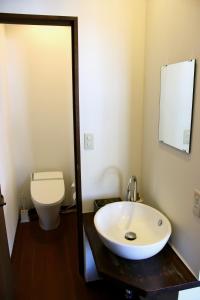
{"x":162,"y":272}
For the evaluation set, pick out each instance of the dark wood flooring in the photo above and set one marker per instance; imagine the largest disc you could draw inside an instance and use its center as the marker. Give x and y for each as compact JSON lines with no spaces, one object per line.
{"x":45,"y":265}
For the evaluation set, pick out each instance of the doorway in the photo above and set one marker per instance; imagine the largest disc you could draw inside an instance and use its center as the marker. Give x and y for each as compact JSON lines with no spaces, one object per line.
{"x":72,"y":23}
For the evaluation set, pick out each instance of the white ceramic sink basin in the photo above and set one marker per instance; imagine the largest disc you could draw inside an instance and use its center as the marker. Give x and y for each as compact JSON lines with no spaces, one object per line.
{"x":148,"y":229}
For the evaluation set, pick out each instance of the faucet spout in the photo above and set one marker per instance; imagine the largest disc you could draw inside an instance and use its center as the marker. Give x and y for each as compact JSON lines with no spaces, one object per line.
{"x":131,"y":194}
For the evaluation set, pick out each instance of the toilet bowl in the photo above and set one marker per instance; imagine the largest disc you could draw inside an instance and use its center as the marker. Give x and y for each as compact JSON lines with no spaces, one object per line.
{"x":47,"y":193}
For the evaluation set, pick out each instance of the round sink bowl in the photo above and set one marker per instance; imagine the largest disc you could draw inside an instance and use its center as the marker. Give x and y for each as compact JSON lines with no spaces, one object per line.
{"x":132,"y":230}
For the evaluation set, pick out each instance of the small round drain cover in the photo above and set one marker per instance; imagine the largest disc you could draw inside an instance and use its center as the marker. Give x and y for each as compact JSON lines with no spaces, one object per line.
{"x":130,"y":236}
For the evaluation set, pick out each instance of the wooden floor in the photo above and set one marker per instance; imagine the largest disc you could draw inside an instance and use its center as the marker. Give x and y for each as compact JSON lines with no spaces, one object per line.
{"x":45,"y":265}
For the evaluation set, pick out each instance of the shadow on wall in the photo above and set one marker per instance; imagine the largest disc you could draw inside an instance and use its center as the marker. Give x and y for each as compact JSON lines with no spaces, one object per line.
{"x":111,"y":180}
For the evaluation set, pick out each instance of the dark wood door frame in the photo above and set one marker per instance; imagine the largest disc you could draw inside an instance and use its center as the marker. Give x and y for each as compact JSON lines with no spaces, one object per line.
{"x":6,"y":280}
{"x":24,"y":19}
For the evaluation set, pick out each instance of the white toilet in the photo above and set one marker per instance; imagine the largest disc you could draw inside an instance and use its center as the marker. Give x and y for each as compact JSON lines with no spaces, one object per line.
{"x":47,"y":192}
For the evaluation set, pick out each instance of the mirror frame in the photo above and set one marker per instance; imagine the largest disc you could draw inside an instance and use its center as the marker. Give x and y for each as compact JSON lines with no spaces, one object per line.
{"x":29,"y":19}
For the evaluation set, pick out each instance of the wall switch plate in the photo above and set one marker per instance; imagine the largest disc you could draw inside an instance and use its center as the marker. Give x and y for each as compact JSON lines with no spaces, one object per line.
{"x":88,"y":141}
{"x":196,"y":205}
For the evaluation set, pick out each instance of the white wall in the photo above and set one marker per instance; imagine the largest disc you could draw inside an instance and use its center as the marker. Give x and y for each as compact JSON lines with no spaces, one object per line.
{"x":169,"y":177}
{"x":7,"y":170}
{"x":111,"y":82}
{"x":40,"y":91}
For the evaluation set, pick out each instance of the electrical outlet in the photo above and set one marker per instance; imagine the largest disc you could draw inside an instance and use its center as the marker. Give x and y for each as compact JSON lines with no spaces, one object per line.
{"x":196,"y":206}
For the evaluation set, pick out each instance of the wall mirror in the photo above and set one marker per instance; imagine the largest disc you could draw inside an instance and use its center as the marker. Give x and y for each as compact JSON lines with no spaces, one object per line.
{"x":176,"y":103}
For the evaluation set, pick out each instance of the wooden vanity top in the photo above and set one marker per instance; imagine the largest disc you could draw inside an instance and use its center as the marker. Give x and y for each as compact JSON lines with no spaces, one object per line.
{"x":162,"y":272}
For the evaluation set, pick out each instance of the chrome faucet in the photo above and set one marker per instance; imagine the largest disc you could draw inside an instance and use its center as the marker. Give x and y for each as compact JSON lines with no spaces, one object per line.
{"x":131,"y":194}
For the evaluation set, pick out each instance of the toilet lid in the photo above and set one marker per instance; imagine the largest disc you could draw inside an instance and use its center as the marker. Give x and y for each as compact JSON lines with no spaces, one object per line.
{"x":47,"y":192}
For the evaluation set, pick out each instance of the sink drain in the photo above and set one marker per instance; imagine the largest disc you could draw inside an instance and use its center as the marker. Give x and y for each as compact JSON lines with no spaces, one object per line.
{"x":130,"y":236}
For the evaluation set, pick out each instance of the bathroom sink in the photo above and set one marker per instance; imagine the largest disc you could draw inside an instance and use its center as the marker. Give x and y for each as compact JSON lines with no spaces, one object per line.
{"x":132,"y":230}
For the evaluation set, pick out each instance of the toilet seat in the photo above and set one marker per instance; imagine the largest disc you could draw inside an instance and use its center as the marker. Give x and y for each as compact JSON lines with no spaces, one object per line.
{"x":47,"y":192}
